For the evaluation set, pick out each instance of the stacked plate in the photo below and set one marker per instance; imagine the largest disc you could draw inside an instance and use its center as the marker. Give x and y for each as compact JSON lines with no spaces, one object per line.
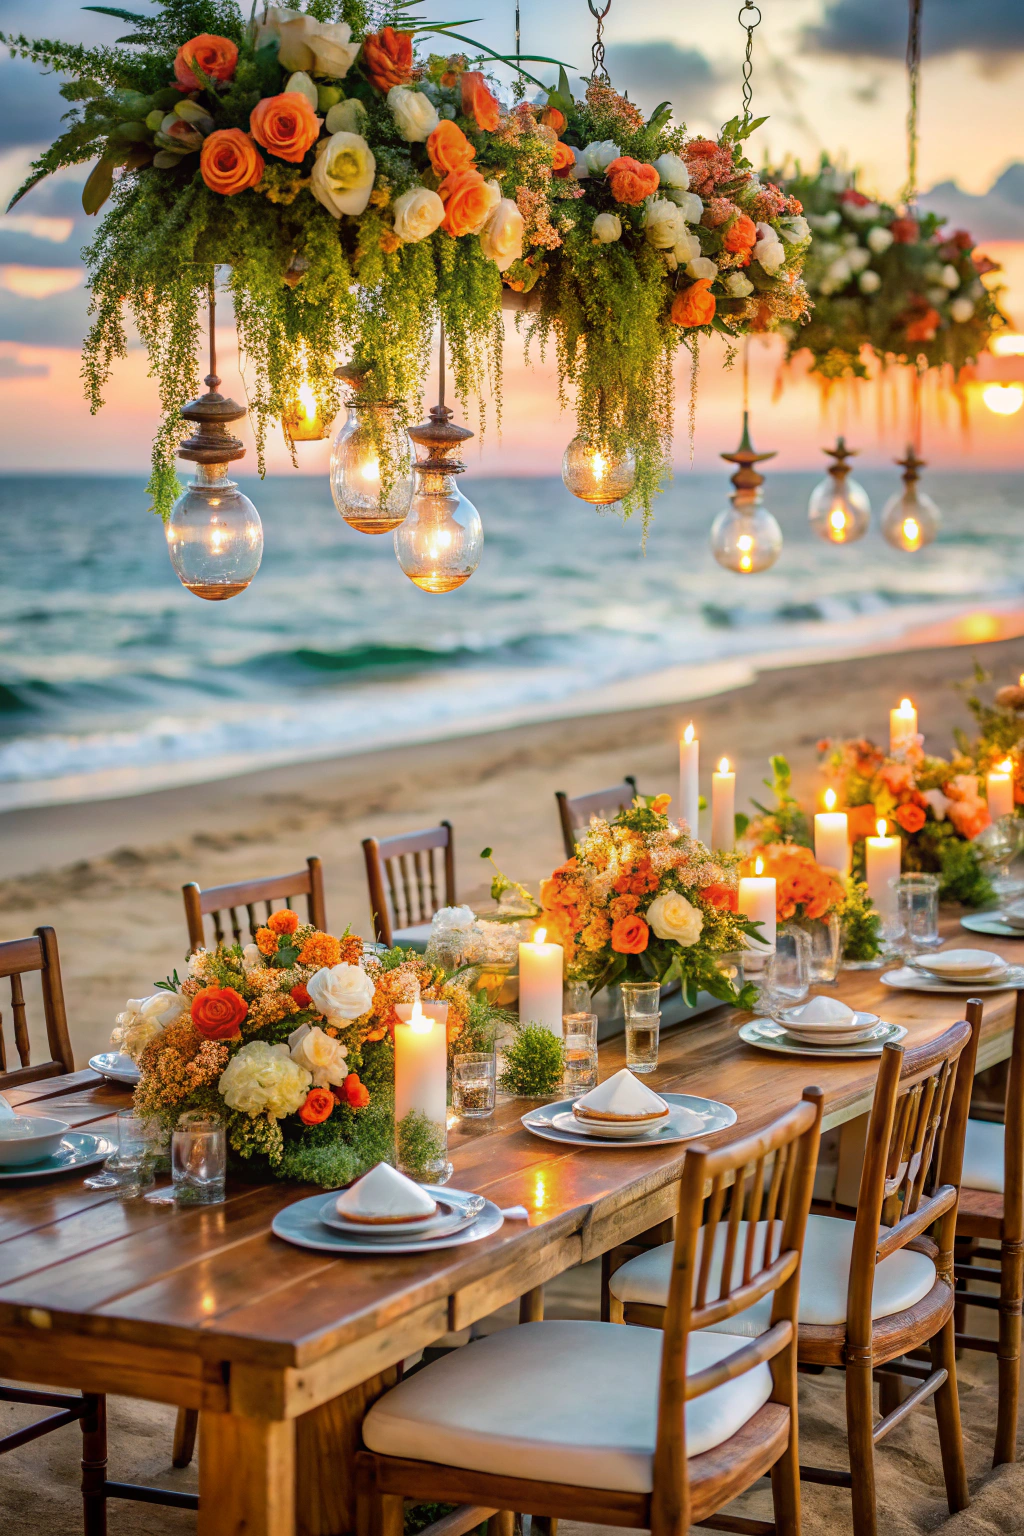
{"x":386,"y":1213}
{"x":825,"y":1021}
{"x":31,"y":1145}
{"x":619,"y":1109}
{"x":1013,"y":916}
{"x":624,"y":1112}
{"x":976,"y":967}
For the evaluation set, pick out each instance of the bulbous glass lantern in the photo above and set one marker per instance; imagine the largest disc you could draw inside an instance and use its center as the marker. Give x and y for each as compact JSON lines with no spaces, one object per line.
{"x":910,"y":519}
{"x":371,"y":475}
{"x":745,"y":537}
{"x":214,"y":535}
{"x":440,"y":541}
{"x":595,"y":474}
{"x":302,"y":421}
{"x":839,"y":509}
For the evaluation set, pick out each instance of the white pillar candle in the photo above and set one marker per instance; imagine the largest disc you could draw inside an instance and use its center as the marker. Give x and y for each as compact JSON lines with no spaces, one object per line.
{"x":689,"y":784}
{"x":999,"y":786}
{"x":902,"y":727}
{"x":723,"y":808}
{"x":421,"y":1061}
{"x":832,"y":836}
{"x":540,"y":983}
{"x":882,"y":856}
{"x":756,"y":901}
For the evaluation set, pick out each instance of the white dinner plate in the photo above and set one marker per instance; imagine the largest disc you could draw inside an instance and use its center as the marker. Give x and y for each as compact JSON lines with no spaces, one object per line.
{"x":766,"y":1035}
{"x":116,"y":1067}
{"x":689,"y":1115}
{"x":445,"y":1219}
{"x":906,"y":979}
{"x":992,"y":924}
{"x":77,"y":1150}
{"x":301,"y":1224}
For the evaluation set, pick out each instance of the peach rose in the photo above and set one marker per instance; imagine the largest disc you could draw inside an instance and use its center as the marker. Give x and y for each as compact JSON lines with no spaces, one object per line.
{"x":563,"y":161}
{"x":387,"y":58}
{"x":478,"y":102}
{"x":910,"y":817}
{"x":285,"y":125}
{"x":742,"y":236}
{"x":229,"y":162}
{"x":631,"y":180}
{"x":215,"y":56}
{"x":217,"y":1013}
{"x":356,"y":1093}
{"x":467,"y":200}
{"x":319,"y":1104}
{"x":694,"y":305}
{"x":448,"y":148}
{"x":630,"y":935}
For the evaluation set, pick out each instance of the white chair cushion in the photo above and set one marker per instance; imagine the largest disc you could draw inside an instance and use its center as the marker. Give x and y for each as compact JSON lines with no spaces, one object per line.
{"x":416,"y":937}
{"x":558,"y":1402}
{"x":900,"y":1280}
{"x":983,"y":1156}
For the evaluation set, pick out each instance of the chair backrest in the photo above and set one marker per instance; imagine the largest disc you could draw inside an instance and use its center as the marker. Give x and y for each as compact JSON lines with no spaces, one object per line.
{"x":220,"y":900}
{"x":1013,"y":1135}
{"x":744,"y":1245}
{"x":913,"y":1159}
{"x":575,"y":811}
{"x":17,"y":957}
{"x":410,"y":877}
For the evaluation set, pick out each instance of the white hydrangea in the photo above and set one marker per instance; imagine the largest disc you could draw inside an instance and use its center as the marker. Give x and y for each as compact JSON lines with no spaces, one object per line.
{"x":879,"y":238}
{"x":262,"y":1079}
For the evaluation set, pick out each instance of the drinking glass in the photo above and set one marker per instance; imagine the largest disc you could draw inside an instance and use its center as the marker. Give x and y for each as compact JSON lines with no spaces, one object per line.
{"x":134,"y":1165}
{"x":198,"y":1160}
{"x":641,"y":1005}
{"x":786,"y":978}
{"x":473,"y":1085}
{"x":108,"y":1177}
{"x":446,"y":947}
{"x":576,"y":995}
{"x":917,"y":901}
{"x":579,"y":1040}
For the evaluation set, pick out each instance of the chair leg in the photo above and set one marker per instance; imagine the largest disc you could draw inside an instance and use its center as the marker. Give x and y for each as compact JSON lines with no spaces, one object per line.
{"x":392,"y":1514}
{"x":543,"y":1525}
{"x":185,"y":1426}
{"x":859,"y":1416}
{"x":890,"y":1394}
{"x":947,"y":1415}
{"x":1011,"y":1284}
{"x":502,"y":1523}
{"x":94,"y":1466}
{"x":786,"y":1491}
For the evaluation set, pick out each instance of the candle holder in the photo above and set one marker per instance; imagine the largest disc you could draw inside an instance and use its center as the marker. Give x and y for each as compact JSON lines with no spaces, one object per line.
{"x":421,"y":1092}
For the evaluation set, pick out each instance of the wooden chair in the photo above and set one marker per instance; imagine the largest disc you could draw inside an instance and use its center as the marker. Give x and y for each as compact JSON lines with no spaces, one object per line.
{"x":876,"y":1288}
{"x":410,"y":877}
{"x":992,"y":1212}
{"x":585,"y":1421}
{"x":221,"y":899}
{"x":575,"y":812}
{"x":17,"y":958}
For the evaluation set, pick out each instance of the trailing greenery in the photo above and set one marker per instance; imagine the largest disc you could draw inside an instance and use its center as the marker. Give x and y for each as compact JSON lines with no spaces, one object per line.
{"x":534,"y":1062}
{"x":862,"y":925}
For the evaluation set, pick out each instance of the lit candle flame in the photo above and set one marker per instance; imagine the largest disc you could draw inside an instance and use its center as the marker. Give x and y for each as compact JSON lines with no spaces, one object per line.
{"x":688,"y":733}
{"x":1006,"y":766}
{"x":598,"y":466}
{"x":419,"y":1021}
{"x":1003,"y":399}
{"x":371,"y":470}
{"x":723,"y":766}
{"x":746,"y":563}
{"x":882,"y":827}
{"x":911,"y":532}
{"x":906,"y":709}
{"x":837,"y":517}
{"x":307,"y":401}
{"x":539,"y":935}
{"x":745,"y":542}
{"x":830,"y":799}
{"x":1020,"y":681}
{"x":759,"y":866}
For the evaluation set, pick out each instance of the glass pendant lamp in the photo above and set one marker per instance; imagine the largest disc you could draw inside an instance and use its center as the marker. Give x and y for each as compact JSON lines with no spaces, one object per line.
{"x":910,"y":519}
{"x":595,"y":474}
{"x":371,"y":475}
{"x":746,"y":537}
{"x":839,"y":509}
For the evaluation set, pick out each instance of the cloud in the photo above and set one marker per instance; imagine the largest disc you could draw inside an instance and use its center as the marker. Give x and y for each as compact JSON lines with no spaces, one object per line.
{"x":14,"y":368}
{"x":660,"y":70}
{"x":59,"y":321}
{"x":20,"y":249}
{"x":997,"y":214}
{"x":33,"y":106}
{"x":37,"y":282}
{"x":877,"y":29}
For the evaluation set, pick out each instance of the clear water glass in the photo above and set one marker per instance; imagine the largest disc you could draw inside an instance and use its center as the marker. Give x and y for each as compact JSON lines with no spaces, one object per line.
{"x":641,"y":1006}
{"x":576,"y":995}
{"x":786,"y":978}
{"x":917,"y":904}
{"x":135,"y":1155}
{"x":579,"y":1042}
{"x":473,"y":1085}
{"x":198,"y":1160}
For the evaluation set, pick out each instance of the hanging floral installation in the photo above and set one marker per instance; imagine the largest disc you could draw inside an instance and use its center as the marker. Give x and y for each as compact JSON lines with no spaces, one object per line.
{"x":361,"y":192}
{"x":887,"y":285}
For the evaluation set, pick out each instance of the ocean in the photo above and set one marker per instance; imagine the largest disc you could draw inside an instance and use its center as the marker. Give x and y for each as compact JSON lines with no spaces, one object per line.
{"x":114,"y":680}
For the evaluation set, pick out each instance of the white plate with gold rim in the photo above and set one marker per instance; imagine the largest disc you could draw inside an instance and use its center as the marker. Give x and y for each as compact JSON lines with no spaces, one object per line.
{"x":690,"y":1115}
{"x":766,"y":1035}
{"x":906,"y":979}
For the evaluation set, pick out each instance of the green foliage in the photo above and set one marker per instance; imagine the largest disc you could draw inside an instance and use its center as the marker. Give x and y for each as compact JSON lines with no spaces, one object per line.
{"x":963,"y":877}
{"x":783,"y":822}
{"x":420,"y":1142}
{"x":534,"y":1062}
{"x":322,"y":1156}
{"x":861,"y":924}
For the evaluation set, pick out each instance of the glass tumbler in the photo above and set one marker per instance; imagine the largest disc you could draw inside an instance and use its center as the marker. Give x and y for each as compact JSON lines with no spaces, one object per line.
{"x":641,"y":1006}
{"x":786,"y":978}
{"x":917,"y":903}
{"x":473,"y":1085}
{"x":133,"y":1164}
{"x":579,"y":1041}
{"x":198,"y":1160}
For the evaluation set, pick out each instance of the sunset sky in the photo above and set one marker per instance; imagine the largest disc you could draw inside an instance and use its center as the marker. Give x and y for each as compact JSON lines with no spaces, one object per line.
{"x":828,"y":72}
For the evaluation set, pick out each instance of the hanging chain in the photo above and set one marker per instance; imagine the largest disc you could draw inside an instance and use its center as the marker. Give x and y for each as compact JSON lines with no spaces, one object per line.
{"x":749,"y":17}
{"x":913,"y":90}
{"x":212,"y":381}
{"x":440,"y":372}
{"x":518,"y":84}
{"x":597,"y":52}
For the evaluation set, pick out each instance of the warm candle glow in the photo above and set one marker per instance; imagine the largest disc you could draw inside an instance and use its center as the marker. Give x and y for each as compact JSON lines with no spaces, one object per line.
{"x":906,"y":709}
{"x":911,"y":532}
{"x":539,"y":935}
{"x":1009,"y":344}
{"x":881,"y":827}
{"x":1003,"y":399}
{"x":830,"y":799}
{"x":723,"y":766}
{"x":688,"y":733}
{"x":598,"y":466}
{"x":1005,"y":766}
{"x":421,"y":1022}
{"x":307,"y":401}
{"x":759,"y":866}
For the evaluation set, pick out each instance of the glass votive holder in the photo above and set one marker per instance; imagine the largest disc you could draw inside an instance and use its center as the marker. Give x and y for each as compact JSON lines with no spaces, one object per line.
{"x":917,"y":905}
{"x":473,"y":1085}
{"x":786,"y":978}
{"x":198,"y":1160}
{"x":642,"y":1033}
{"x":132,"y":1164}
{"x":579,"y":1043}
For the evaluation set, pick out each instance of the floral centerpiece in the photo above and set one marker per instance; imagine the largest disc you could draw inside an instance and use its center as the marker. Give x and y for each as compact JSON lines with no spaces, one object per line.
{"x":360,"y":190}
{"x":288,"y":1041}
{"x":642,"y":899}
{"x":1000,"y":727}
{"x":887,"y":283}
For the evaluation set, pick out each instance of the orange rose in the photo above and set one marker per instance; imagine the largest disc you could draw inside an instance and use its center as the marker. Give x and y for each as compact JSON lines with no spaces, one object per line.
{"x":694,"y":305}
{"x":910,"y":817}
{"x":630,"y":935}
{"x":387,"y":58}
{"x":552,"y":118}
{"x":215,"y":56}
{"x":631,"y":180}
{"x":478,"y":103}
{"x":217,"y":1013}
{"x":861,"y":821}
{"x":466,"y":200}
{"x":742,"y":236}
{"x":923,"y":327}
{"x":720,"y":896}
{"x":660,"y":804}
{"x":285,"y":921}
{"x":356,"y":1093}
{"x":301,"y":996}
{"x":563,"y":161}
{"x":229,"y":162}
{"x":285,"y":125}
{"x":448,"y":148}
{"x":319,"y":1104}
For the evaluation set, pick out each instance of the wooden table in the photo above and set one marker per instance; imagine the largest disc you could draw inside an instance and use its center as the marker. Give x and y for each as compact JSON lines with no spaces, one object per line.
{"x":284,"y":1348}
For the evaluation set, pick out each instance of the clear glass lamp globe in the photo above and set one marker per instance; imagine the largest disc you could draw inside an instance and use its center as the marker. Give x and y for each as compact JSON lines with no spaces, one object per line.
{"x":371,"y":477}
{"x":595,"y":475}
{"x":839,"y":509}
{"x":214,"y":535}
{"x":910,"y":520}
{"x":440,"y":542}
{"x":746,"y":539}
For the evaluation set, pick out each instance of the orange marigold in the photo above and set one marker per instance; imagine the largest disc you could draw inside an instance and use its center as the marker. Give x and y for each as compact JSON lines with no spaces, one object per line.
{"x":351,"y":946}
{"x":285,"y":921}
{"x":320,"y":949}
{"x":266,"y":941}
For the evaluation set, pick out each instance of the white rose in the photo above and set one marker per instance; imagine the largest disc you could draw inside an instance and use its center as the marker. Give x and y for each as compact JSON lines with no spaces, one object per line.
{"x":418,"y":213}
{"x":738,"y":286}
{"x":252,"y":960}
{"x":795,"y":229}
{"x":262,"y":1079}
{"x":826,"y":222}
{"x":348,"y":116}
{"x":321,"y":1055}
{"x":494,"y":198}
{"x":415,"y":114}
{"x":672,"y":172}
{"x":689,"y":204}
{"x":501,"y":238}
{"x":869,"y":282}
{"x":879,"y":239}
{"x":672,"y":917}
{"x":936,"y":296}
{"x":607,"y":228}
{"x":142,"y":1019}
{"x":340,"y":992}
{"x":303,"y":85}
{"x":597,"y":157}
{"x":839,"y":272}
{"x":950,"y":277}
{"x":939,"y":802}
{"x":333,"y":51}
{"x":663,"y":225}
{"x":686,"y":249}
{"x":962,"y":310}
{"x":701,"y":266}
{"x":305,"y":44}
{"x":343,"y":175}
{"x":580,"y":172}
{"x":769,"y":250}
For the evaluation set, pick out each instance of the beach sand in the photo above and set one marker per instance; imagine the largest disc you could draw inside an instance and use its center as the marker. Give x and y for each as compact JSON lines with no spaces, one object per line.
{"x":108,"y":875}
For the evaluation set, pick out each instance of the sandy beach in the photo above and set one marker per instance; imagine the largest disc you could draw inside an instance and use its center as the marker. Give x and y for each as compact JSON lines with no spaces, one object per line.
{"x":107,"y":875}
